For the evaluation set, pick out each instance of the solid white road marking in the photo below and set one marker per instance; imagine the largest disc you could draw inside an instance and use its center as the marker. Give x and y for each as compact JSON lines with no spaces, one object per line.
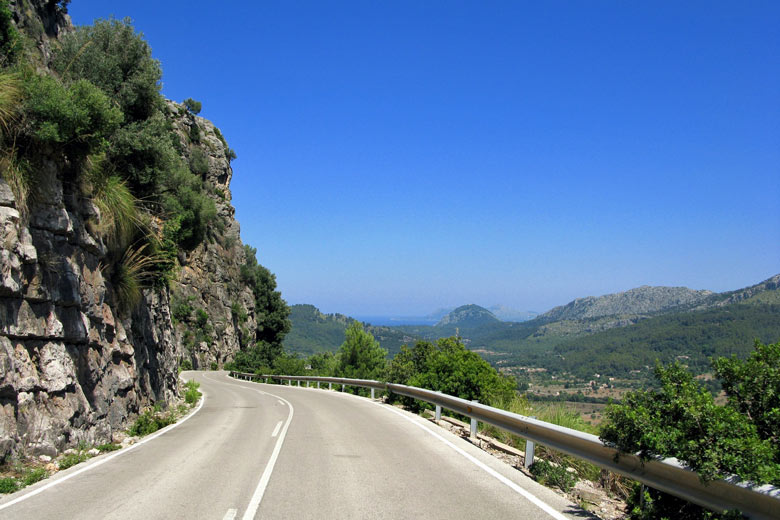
{"x":230,"y":515}
{"x":100,"y":462}
{"x":254,"y":503}
{"x":281,"y":403}
{"x":276,"y":430}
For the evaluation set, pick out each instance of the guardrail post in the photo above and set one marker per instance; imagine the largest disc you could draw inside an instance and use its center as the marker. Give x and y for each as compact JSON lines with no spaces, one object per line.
{"x":529,"y":450}
{"x":372,"y":393}
{"x":266,"y":380}
{"x":318,"y":385}
{"x":330,"y":386}
{"x":438,"y":412}
{"x":342,"y":387}
{"x":307,"y":384}
{"x":299,"y":382}
{"x":473,"y":433}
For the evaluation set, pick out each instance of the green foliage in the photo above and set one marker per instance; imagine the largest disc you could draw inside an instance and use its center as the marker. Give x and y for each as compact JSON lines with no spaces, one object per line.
{"x":10,"y":98}
{"x":190,"y":210}
{"x":199,"y":163}
{"x":450,"y":368}
{"x":323,"y":364}
{"x":120,"y":218}
{"x":191,"y":393}
{"x":103,"y":448}
{"x":72,"y":459}
{"x":646,"y":503}
{"x":289,"y":365}
{"x":271,"y":310}
{"x":753,"y":389}
{"x":186,"y":365}
{"x":10,"y":41}
{"x":683,"y":421}
{"x":8,"y":485}
{"x":181,"y":310}
{"x":150,"y":421}
{"x":550,"y":474}
{"x":34,"y":475}
{"x":230,"y":154}
{"x":194,"y":132}
{"x":77,"y":118}
{"x":214,"y":365}
{"x":131,"y":274}
{"x":112,"y":56}
{"x":251,"y":360}
{"x":360,"y":356}
{"x":193,"y":106}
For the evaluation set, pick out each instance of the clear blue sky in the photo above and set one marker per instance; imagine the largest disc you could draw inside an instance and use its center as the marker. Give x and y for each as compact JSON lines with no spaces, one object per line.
{"x":396,"y":157}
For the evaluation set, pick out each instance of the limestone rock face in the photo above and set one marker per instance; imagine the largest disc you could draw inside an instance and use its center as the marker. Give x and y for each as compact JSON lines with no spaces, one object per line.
{"x":72,"y":366}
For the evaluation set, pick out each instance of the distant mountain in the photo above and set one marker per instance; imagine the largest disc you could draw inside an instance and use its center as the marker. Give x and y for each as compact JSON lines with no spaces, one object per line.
{"x":468,"y":316}
{"x":767,"y":291}
{"x":642,"y":300}
{"x":504,"y":313}
{"x":312,"y":332}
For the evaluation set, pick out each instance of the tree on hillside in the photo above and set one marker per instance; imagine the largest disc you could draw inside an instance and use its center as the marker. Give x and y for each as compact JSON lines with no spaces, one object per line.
{"x":360,"y":356}
{"x":682,"y":420}
{"x":272,"y":312}
{"x":449,"y":367}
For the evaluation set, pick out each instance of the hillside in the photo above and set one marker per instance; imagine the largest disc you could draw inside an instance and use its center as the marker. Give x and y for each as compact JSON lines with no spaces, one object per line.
{"x":313,"y":332}
{"x":641,"y":300}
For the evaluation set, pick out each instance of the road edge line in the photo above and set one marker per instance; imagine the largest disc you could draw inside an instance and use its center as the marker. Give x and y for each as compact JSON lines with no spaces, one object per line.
{"x":100,"y":462}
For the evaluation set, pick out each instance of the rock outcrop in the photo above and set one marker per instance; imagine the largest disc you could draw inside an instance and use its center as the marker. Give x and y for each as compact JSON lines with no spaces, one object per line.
{"x":74,"y":366}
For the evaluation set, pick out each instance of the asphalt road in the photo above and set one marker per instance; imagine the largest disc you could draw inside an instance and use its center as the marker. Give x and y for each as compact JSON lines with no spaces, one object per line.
{"x":272,"y":451}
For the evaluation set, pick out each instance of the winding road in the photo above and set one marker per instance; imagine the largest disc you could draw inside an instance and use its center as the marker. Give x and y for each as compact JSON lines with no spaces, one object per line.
{"x":271,"y":451}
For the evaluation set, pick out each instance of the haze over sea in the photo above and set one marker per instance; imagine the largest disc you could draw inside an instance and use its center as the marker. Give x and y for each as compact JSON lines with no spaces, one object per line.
{"x":399,"y":157}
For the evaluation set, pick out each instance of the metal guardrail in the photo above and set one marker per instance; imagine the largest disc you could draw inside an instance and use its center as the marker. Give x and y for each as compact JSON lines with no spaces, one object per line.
{"x":668,"y":475}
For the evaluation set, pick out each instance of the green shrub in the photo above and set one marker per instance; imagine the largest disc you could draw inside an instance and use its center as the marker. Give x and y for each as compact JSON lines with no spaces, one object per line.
{"x":112,"y":56}
{"x":194,"y":132}
{"x":120,"y":218}
{"x":10,"y":41}
{"x":549,"y":474}
{"x":132,"y":272}
{"x":77,"y":118}
{"x":214,"y":365}
{"x":34,"y":475}
{"x":181,"y":310}
{"x":72,"y":459}
{"x":10,"y":98}
{"x":199,"y":163}
{"x":150,"y":421}
{"x":186,"y":364}
{"x":108,"y":447}
{"x":191,"y":393}
{"x":8,"y":485}
{"x":271,"y":310}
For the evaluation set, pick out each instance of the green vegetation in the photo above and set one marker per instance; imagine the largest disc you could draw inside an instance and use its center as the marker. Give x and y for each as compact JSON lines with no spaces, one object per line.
{"x":551,"y":474}
{"x":103,"y":448}
{"x":682,"y":420}
{"x":191,"y":392}
{"x":150,"y":421}
{"x":33,"y":475}
{"x":449,"y":367}
{"x":192,"y":106}
{"x":360,"y":356}
{"x":72,"y":459}
{"x":8,"y":485}
{"x":271,"y":311}
{"x":10,"y":41}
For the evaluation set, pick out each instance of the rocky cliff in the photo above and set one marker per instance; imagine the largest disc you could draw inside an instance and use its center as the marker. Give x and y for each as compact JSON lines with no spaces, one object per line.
{"x":74,"y":365}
